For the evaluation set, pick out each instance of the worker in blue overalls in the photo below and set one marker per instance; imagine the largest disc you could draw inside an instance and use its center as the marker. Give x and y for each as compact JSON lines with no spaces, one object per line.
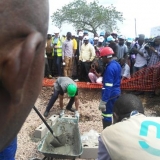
{"x":111,"y":85}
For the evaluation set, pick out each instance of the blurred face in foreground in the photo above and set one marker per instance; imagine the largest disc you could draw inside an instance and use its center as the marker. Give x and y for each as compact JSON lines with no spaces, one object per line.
{"x":22,"y":42}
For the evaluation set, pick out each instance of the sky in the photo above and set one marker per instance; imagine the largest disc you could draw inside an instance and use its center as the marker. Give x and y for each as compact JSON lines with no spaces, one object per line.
{"x":146,"y":13}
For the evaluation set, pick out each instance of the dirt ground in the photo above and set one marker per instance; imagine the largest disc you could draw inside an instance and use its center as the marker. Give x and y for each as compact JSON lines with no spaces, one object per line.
{"x":90,"y":118}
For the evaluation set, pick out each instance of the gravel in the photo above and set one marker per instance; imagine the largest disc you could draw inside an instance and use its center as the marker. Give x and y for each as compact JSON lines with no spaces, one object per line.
{"x":90,"y":118}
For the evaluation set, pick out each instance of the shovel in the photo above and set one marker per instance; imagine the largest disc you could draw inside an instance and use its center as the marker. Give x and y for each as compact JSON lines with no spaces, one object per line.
{"x":57,"y":141}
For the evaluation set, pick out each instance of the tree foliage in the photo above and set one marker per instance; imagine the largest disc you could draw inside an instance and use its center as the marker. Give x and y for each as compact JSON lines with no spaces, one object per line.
{"x":88,"y":16}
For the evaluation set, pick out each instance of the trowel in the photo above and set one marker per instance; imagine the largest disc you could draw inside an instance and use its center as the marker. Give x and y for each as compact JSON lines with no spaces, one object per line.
{"x":57,"y":141}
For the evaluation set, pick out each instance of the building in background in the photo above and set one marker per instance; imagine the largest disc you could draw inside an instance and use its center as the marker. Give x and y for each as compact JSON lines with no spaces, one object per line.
{"x":155,"y":31}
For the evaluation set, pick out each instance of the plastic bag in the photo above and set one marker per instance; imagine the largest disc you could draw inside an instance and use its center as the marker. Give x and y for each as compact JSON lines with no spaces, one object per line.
{"x":90,"y":136}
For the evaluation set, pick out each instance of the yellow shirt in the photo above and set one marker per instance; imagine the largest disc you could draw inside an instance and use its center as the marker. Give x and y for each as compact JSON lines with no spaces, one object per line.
{"x":87,"y":52}
{"x":74,"y":44}
{"x":63,"y":39}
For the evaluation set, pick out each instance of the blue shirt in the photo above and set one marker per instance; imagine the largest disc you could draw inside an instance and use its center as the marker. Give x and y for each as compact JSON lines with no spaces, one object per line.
{"x":111,"y":81}
{"x":9,"y":152}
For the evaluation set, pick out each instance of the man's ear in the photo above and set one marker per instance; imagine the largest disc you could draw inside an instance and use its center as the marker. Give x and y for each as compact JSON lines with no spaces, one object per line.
{"x":115,"y":118}
{"x":17,"y":64}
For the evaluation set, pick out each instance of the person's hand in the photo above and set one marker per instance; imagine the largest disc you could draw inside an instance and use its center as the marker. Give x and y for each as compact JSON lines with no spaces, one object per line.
{"x":79,"y":62}
{"x":135,"y":50}
{"x":153,"y":50}
{"x":77,"y":115}
{"x":102,"y":106}
{"x":88,"y":61}
{"x":93,"y":66}
{"x":55,"y":47}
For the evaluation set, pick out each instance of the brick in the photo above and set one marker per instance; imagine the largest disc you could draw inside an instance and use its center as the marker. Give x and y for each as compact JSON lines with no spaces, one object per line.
{"x":53,"y":119}
{"x":41,"y":131}
{"x":90,"y":150}
{"x":70,"y":117}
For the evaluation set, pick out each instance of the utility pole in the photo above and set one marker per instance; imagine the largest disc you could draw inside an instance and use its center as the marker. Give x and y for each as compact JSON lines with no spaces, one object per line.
{"x":135,"y":28}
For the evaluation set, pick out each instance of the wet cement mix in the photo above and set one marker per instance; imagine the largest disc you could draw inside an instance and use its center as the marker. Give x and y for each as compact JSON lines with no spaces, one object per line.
{"x":71,"y":136}
{"x":90,"y":118}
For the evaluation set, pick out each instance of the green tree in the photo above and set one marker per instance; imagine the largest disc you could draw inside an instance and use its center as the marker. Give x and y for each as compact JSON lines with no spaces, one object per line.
{"x":88,"y":16}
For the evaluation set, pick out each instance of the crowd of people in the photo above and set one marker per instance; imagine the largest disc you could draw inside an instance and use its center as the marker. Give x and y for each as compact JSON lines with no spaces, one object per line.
{"x":77,"y":56}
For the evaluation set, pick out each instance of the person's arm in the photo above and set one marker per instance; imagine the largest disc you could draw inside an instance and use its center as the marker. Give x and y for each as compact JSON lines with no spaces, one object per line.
{"x":95,"y":71}
{"x":116,"y":50}
{"x":80,"y":56}
{"x":126,"y":73}
{"x":152,"y":49}
{"x":102,"y":151}
{"x":143,"y":53}
{"x":107,"y":83}
{"x":74,"y":46}
{"x":93,"y":53}
{"x":61,"y":101}
{"x":76,"y":99}
{"x":97,"y":74}
{"x":59,"y":44}
{"x":63,"y":49}
{"x":126,"y":52}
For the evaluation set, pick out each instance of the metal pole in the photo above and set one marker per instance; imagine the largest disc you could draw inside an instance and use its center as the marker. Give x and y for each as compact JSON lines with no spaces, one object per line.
{"x":135,"y":28}
{"x":49,"y":128}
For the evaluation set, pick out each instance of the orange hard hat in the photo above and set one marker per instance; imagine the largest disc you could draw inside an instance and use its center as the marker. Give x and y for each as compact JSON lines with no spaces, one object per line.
{"x":106,"y":51}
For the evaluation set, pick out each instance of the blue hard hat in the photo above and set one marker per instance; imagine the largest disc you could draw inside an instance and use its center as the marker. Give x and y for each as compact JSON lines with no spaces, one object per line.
{"x":102,"y":34}
{"x":85,"y":32}
{"x":130,"y":40}
{"x":110,"y":38}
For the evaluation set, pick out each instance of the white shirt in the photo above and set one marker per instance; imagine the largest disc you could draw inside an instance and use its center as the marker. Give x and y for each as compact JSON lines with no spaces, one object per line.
{"x":125,"y":72}
{"x":87,"y":52}
{"x":141,"y":60}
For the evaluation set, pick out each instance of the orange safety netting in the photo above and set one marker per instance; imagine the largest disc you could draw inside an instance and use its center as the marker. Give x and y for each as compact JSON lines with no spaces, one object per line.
{"x":50,"y":82}
{"x":147,"y":79}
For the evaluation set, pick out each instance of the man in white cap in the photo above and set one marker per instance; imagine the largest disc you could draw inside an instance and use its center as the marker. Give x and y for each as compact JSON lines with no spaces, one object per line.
{"x":87,"y":55}
{"x":99,"y":47}
{"x":122,"y":48}
{"x":95,"y":41}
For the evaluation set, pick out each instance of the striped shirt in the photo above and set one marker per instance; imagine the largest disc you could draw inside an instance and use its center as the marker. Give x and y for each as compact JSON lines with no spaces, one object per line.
{"x":67,"y":48}
{"x":155,"y":57}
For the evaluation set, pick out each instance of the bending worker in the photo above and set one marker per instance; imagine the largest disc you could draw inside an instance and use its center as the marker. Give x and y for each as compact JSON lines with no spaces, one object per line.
{"x":111,"y":85}
{"x":133,"y":136}
{"x":61,"y":86}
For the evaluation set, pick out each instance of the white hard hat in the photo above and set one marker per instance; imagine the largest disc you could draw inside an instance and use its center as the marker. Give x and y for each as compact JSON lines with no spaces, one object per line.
{"x":96,"y":38}
{"x":101,"y":39}
{"x":73,"y":33}
{"x":86,"y":38}
{"x":122,"y":37}
{"x":56,"y":30}
{"x":80,"y":34}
